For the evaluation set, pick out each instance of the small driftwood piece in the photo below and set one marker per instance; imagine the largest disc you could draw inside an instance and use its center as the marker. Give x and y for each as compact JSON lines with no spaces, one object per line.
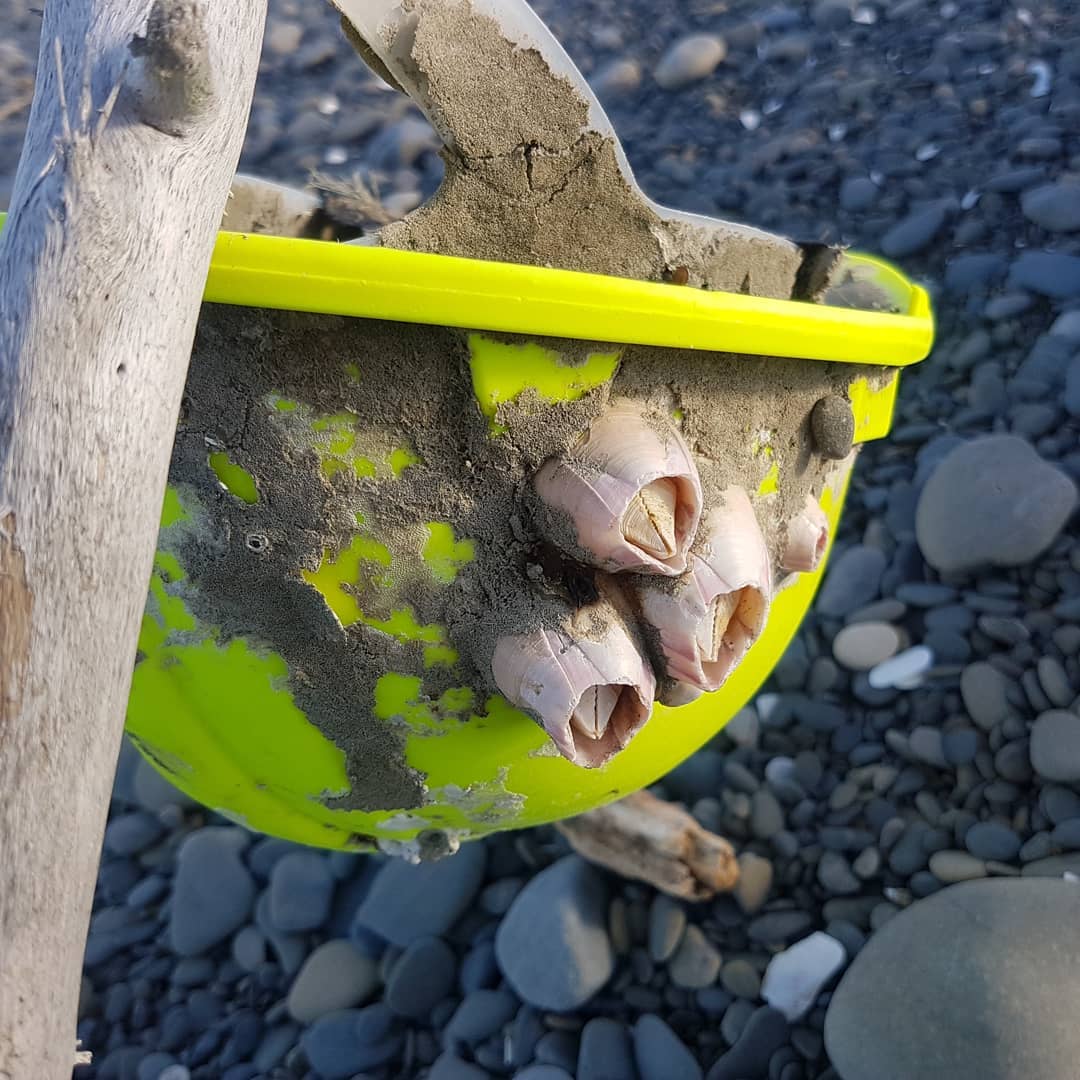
{"x":137,"y":122}
{"x":644,"y":838}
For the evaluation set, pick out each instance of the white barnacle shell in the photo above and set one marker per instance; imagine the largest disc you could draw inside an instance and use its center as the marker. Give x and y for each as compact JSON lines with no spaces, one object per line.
{"x":590,"y":694}
{"x":807,"y":538}
{"x":631,"y":490}
{"x":708,"y":619}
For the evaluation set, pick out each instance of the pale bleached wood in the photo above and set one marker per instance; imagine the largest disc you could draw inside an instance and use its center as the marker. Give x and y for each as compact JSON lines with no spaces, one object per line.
{"x":644,"y":838}
{"x":119,"y":192}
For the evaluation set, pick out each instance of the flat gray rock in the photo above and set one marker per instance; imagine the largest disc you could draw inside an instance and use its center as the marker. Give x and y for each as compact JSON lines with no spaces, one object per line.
{"x":212,"y":891}
{"x":408,"y":902}
{"x":553,"y":946}
{"x":992,"y":501}
{"x":689,"y":60}
{"x":977,"y":982}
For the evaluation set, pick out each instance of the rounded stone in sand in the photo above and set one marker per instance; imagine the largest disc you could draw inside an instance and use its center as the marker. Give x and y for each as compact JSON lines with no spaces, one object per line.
{"x":832,"y":425}
{"x":861,"y":646}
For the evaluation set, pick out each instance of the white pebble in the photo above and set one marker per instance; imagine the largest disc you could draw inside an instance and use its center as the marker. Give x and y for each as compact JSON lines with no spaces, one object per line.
{"x":750,"y":119}
{"x":795,"y":977}
{"x":1041,"y":70}
{"x":336,"y":155}
{"x":904,"y":671}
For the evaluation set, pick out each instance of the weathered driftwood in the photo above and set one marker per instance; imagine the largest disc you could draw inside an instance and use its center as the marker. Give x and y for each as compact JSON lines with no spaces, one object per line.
{"x":645,"y":838}
{"x":136,"y":128}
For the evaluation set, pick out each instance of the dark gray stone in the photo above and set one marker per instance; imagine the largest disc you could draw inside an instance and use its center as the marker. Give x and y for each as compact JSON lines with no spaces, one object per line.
{"x":408,"y":902}
{"x":915,"y":232}
{"x":1055,"y":745}
{"x":1056,"y":207}
{"x":606,"y":1051}
{"x":858,"y":193}
{"x":660,"y":1053}
{"x":832,"y":425}
{"x":1049,"y":273}
{"x":212,"y":893}
{"x":667,"y":923}
{"x":128,"y":834}
{"x":553,"y":946}
{"x":991,"y":502}
{"x":989,"y":840}
{"x":481,"y":1014}
{"x":964,"y":967}
{"x":421,"y":978}
{"x":301,"y":889}
{"x":853,"y":580}
{"x":764,"y":1033}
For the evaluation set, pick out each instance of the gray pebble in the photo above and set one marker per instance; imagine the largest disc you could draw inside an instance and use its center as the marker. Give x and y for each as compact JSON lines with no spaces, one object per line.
{"x":449,"y":1066}
{"x":776,"y":927}
{"x":867,"y":863}
{"x":408,"y":902}
{"x":422,"y":977}
{"x":853,"y":580}
{"x":959,"y":745}
{"x":689,"y":60}
{"x":480,"y":1015}
{"x":1049,"y":273}
{"x":1055,"y":682}
{"x":212,"y":892}
{"x":766,"y":815}
{"x":924,"y":1020}
{"x":954,"y":866}
{"x":1055,"y":745}
{"x":696,"y":962}
{"x":1067,"y":835}
{"x":763,"y":1034}
{"x":991,"y":501}
{"x":740,"y":978}
{"x":548,"y":967}
{"x":335,"y":976}
{"x":660,"y":1054}
{"x":835,"y":876}
{"x":832,"y":425}
{"x":927,"y":744}
{"x":606,"y":1051}
{"x":985,"y":692}
{"x":616,"y":79}
{"x":301,"y":889}
{"x":862,"y":646}
{"x":858,"y":193}
{"x":755,"y":881}
{"x":667,"y":923}
{"x":1055,"y":207}
{"x":128,"y":834}
{"x":914,"y":233}
{"x":989,"y":840}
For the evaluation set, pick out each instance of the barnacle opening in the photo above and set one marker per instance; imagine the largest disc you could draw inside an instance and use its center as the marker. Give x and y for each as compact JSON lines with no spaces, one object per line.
{"x":732,"y":624}
{"x":604,"y":719}
{"x":662,"y":517}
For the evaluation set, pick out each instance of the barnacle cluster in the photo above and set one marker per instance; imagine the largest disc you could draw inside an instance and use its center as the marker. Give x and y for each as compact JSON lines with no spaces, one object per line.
{"x":683,"y":591}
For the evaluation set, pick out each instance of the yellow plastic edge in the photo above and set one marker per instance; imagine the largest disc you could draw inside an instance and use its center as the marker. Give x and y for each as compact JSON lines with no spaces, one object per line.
{"x":442,"y":290}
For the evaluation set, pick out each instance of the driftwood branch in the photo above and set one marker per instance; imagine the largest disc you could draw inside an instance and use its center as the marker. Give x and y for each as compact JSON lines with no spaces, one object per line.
{"x":644,"y":838}
{"x":134,"y":135}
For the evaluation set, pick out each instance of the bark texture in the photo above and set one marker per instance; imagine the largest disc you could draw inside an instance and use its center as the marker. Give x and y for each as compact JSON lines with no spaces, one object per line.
{"x":135,"y":132}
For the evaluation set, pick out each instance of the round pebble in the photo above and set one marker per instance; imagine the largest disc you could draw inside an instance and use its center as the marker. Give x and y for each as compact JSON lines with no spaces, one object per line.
{"x":863,"y":645}
{"x":989,"y":840}
{"x":992,"y":501}
{"x":689,"y":60}
{"x":795,"y":977}
{"x":301,"y":888}
{"x":953,"y":866}
{"x":606,"y":1050}
{"x":853,"y":580}
{"x":1055,"y":207}
{"x":1055,"y":745}
{"x":903,"y":671}
{"x":925,"y":1019}
{"x":667,"y":923}
{"x":832,"y":425}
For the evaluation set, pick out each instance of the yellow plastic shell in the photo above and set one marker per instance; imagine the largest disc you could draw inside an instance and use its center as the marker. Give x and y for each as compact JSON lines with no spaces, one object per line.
{"x":219,"y":719}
